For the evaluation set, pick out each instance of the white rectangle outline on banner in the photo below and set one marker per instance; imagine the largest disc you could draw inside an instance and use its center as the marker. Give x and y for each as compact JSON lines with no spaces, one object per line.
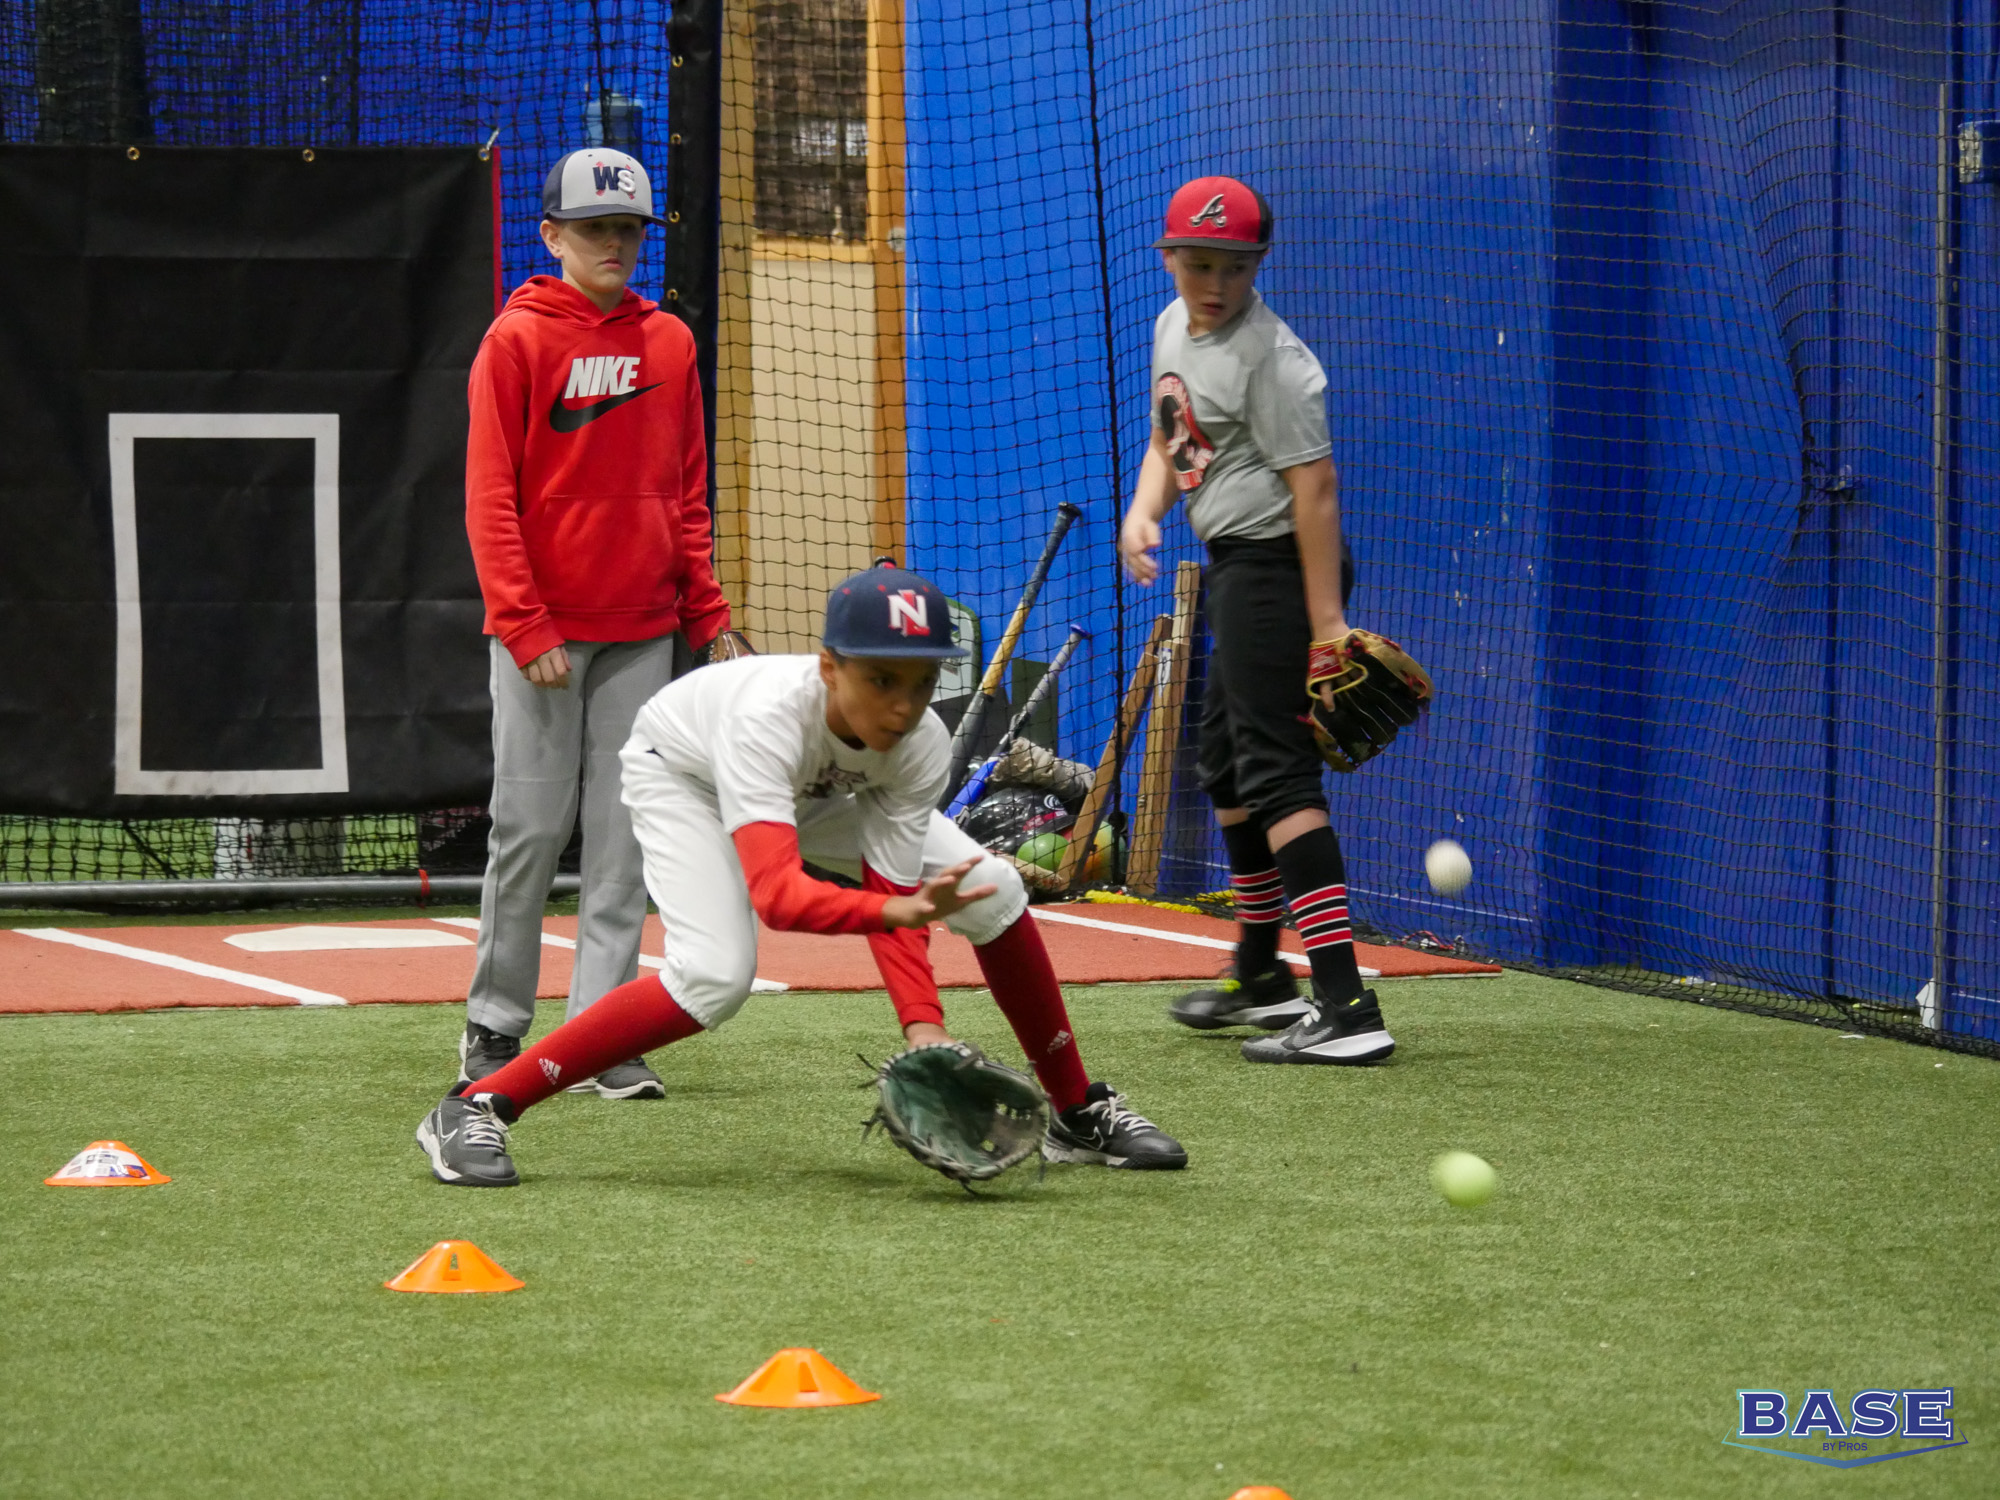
{"x":130,"y":779}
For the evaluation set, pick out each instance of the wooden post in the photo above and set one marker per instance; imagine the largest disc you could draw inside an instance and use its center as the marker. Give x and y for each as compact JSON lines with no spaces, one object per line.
{"x":885,"y":247}
{"x":1144,"y":675}
{"x":1163,"y":739}
{"x":734,"y":409}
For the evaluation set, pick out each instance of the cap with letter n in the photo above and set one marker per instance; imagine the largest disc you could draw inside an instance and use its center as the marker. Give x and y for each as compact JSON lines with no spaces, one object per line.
{"x":597,"y":181}
{"x":1217,"y":213}
{"x":889,"y":611}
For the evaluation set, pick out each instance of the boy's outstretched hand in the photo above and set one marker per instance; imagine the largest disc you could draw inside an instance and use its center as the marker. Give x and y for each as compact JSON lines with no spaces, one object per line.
{"x":935,"y":899}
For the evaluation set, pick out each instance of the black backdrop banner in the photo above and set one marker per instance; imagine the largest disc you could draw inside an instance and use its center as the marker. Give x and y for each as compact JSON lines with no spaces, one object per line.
{"x":233,"y":570}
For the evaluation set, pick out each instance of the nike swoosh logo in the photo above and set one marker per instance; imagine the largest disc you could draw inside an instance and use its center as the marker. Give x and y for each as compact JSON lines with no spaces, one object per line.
{"x":566,"y":419}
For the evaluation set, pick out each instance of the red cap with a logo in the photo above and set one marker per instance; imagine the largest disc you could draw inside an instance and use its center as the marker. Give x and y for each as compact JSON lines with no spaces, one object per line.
{"x":1217,"y":213}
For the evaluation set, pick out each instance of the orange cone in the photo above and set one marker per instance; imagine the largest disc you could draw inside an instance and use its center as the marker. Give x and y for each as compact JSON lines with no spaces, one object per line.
{"x":799,"y":1377}
{"x":1260,"y":1492}
{"x":107,"y":1164}
{"x":454,"y":1266}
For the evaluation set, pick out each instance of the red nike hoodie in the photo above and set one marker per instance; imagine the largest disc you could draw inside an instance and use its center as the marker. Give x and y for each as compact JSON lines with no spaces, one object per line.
{"x":586,"y":475}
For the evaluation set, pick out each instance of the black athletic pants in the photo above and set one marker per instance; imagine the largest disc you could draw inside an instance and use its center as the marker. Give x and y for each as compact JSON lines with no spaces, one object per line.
{"x":1257,"y":749}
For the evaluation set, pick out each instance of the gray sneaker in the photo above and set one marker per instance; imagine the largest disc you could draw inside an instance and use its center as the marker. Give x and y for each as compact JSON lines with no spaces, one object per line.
{"x":466,"y":1139}
{"x":630,"y":1080}
{"x":483,"y":1051}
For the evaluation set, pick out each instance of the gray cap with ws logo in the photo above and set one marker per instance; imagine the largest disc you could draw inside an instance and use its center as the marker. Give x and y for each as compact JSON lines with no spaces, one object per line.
{"x":592,"y":183}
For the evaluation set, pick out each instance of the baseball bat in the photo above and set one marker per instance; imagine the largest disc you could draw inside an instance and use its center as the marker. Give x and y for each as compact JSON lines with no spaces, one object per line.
{"x":1163,"y":733}
{"x":975,"y":786}
{"x":1084,"y":833}
{"x":975,"y":711}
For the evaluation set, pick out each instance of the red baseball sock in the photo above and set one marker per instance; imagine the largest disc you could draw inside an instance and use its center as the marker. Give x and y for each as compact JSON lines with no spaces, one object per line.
{"x":630,"y":1020}
{"x":1023,"y":981}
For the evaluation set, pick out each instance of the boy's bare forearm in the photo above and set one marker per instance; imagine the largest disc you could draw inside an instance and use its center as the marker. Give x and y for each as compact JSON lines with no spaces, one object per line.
{"x":1315,"y":491}
{"x":1154,"y":495}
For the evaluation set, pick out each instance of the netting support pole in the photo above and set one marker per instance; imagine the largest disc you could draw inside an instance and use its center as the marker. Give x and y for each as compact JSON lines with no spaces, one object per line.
{"x":691,"y":243}
{"x":886,"y":128}
{"x":1110,"y":349}
{"x":729,"y":500}
{"x":1941,"y":566}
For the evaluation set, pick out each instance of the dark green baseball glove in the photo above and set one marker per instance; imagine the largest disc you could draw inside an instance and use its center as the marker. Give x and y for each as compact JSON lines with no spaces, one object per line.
{"x":958,"y":1112}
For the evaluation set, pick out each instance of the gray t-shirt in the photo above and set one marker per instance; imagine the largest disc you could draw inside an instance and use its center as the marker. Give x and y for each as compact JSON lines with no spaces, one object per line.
{"x":1237,"y":405}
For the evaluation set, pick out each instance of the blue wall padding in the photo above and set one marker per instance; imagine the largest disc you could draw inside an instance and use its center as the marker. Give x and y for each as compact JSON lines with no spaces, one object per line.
{"x":1626,"y":317}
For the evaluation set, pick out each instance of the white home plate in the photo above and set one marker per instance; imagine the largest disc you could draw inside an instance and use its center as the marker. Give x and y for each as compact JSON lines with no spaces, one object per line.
{"x":327,"y":939}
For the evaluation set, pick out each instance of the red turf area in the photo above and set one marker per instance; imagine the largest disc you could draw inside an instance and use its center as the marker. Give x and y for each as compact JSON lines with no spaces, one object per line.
{"x":152,"y":968}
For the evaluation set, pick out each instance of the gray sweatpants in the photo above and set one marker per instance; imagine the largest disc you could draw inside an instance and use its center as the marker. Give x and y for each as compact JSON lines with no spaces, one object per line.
{"x":543,"y":740}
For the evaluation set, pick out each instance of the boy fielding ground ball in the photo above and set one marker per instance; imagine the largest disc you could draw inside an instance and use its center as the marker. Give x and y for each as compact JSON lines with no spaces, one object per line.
{"x":736,"y":774}
{"x":586,"y":484}
{"x":1239,"y":432}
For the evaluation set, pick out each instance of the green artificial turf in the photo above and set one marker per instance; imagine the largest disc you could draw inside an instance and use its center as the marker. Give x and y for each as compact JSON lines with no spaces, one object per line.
{"x":1690,"y":1202}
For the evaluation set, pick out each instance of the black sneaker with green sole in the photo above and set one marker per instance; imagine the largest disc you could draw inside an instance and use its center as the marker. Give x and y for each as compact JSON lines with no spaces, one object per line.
{"x":1270,"y":1002}
{"x":1348,"y":1034}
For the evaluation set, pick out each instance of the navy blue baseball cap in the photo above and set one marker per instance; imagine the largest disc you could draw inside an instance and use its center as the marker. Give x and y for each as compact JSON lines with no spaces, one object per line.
{"x":889,"y":611}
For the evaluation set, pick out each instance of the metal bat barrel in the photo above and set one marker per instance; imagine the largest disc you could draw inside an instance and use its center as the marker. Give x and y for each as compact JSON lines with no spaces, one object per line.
{"x":967,"y":733}
{"x":975,"y":785}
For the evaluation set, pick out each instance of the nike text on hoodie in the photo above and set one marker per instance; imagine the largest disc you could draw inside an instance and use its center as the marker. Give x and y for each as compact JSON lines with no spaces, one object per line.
{"x":586,"y":475}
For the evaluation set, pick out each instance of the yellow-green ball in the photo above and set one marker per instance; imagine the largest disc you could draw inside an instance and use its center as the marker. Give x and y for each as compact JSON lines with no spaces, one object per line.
{"x":1044,"y":849}
{"x":1463,"y":1178}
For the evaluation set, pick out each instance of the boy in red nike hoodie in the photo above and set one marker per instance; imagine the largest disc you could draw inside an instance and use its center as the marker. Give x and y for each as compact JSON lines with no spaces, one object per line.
{"x":585,"y":500}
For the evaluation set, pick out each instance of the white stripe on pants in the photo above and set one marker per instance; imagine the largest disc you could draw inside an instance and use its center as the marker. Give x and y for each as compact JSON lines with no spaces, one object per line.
{"x":547,"y":741}
{"x":696,"y":880}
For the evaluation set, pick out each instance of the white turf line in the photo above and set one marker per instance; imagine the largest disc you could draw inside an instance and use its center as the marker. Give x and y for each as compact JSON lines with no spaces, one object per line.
{"x":186,"y":965}
{"x":1042,"y":914}
{"x":646,"y":960}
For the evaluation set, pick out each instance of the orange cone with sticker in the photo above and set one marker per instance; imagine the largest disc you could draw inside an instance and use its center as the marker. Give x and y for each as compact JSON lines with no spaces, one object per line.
{"x":799,"y":1377}
{"x":107,"y":1164}
{"x":454,"y":1266}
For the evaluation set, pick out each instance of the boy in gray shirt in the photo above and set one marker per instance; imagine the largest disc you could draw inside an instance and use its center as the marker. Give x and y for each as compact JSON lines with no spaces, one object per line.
{"x":1239,"y":434}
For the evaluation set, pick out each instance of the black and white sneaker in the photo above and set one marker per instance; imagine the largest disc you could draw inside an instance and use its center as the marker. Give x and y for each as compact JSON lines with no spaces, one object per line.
{"x":630,"y":1080}
{"x":1344,"y":1035}
{"x":466,"y":1139}
{"x":1270,"y":1001}
{"x":1102,"y":1132}
{"x":483,"y":1051}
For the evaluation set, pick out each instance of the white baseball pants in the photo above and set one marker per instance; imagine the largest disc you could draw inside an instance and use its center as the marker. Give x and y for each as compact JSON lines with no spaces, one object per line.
{"x":696,"y":880}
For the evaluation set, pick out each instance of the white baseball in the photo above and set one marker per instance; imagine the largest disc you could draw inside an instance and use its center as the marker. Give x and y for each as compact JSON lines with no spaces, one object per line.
{"x":1449,"y":867}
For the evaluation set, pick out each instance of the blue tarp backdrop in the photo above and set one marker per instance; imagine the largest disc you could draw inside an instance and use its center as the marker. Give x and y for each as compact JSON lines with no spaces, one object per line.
{"x":1631,"y":321}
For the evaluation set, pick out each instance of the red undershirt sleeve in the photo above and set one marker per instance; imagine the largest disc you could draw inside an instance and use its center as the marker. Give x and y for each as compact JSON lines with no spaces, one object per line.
{"x":788,"y":899}
{"x":904,"y":957}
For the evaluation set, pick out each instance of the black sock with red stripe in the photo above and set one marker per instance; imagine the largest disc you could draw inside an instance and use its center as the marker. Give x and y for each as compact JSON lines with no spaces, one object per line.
{"x":1316,"y":888}
{"x":1260,"y":898}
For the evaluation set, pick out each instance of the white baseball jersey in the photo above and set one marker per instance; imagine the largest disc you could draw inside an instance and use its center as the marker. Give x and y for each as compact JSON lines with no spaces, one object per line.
{"x":1237,"y":405}
{"x":749,"y":737}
